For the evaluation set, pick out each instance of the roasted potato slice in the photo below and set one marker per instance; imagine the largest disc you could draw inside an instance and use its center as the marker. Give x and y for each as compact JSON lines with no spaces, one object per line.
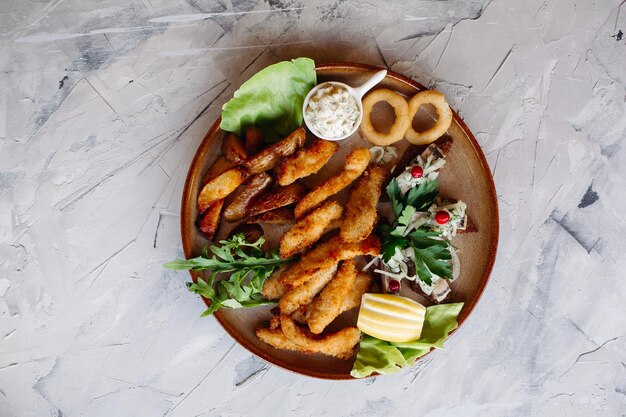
{"x":209,"y":221}
{"x":254,"y":140}
{"x":279,"y":197}
{"x":305,"y":162}
{"x":237,"y":209}
{"x":309,"y":229}
{"x":220,"y":166}
{"x":220,"y":187}
{"x":281,"y":215}
{"x":356,"y":162}
{"x":268,"y":157}
{"x":233,"y":149}
{"x":361,"y":214}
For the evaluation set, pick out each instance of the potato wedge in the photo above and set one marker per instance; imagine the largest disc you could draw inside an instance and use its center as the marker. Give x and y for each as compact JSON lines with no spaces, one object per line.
{"x":220,"y":166}
{"x":327,"y":306}
{"x":309,"y":229}
{"x":361,"y":214}
{"x":356,"y":162}
{"x":279,"y":216}
{"x":254,"y":140}
{"x":279,"y":197}
{"x":233,"y":149}
{"x":305,"y":162}
{"x":220,"y":187}
{"x":268,"y":157}
{"x":209,"y":221}
{"x":238,"y":208}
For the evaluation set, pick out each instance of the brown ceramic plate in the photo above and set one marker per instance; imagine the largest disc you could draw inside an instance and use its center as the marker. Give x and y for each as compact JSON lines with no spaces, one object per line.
{"x":466,"y":176}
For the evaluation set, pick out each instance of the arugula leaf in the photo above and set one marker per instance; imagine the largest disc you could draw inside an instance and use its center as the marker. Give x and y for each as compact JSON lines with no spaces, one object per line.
{"x":249,"y":269}
{"x":382,"y":357}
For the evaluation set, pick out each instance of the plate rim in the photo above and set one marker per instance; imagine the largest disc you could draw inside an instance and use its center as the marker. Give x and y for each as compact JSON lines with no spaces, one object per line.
{"x":468,"y":307}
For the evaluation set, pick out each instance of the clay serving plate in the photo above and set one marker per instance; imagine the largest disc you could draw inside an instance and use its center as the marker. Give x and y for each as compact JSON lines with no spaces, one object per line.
{"x":466,"y":176}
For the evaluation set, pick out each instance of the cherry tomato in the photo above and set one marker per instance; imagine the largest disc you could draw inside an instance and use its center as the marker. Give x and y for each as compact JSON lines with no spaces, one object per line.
{"x":417,"y":171}
{"x":442,"y":217}
{"x":394,"y":285}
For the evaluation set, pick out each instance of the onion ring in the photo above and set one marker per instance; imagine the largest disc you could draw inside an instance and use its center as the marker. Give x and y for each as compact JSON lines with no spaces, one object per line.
{"x":400,"y":125}
{"x":444,"y":117}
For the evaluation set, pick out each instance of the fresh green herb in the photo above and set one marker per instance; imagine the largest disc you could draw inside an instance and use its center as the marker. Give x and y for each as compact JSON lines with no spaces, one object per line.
{"x":379,"y":356}
{"x":430,"y":252}
{"x":271,"y":100}
{"x":249,"y":265}
{"x":418,"y":197}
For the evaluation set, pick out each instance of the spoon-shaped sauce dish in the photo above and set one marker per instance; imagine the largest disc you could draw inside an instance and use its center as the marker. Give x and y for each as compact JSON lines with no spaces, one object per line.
{"x":333,"y":110}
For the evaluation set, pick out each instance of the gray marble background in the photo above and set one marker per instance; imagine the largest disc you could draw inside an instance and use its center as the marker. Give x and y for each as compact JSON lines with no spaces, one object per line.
{"x":102,"y":106}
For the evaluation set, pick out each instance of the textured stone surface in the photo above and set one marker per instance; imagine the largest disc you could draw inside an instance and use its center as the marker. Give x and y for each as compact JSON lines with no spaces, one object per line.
{"x":103,"y":104}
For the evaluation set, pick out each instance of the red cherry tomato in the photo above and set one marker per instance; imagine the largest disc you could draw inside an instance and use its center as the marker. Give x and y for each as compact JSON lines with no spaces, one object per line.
{"x":394,"y":285}
{"x":442,"y":217}
{"x":417,"y":171}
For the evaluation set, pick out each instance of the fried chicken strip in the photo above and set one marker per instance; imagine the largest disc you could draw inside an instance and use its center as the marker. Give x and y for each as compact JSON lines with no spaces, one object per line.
{"x":309,"y":229}
{"x":328,"y":305}
{"x":340,"y":344}
{"x":362,"y":283}
{"x":361,"y":206}
{"x":356,"y":162}
{"x":305,"y":162}
{"x":273,"y":289}
{"x":304,"y":294}
{"x":325,"y":255}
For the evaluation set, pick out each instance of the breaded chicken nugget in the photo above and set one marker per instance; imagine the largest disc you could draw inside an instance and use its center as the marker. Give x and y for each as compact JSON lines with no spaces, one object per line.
{"x":309,"y":229}
{"x":304,"y":294}
{"x":340,"y":344}
{"x":305,"y":162}
{"x":356,"y":162}
{"x":327,"y":254}
{"x":328,"y":305}
{"x":360,"y":216}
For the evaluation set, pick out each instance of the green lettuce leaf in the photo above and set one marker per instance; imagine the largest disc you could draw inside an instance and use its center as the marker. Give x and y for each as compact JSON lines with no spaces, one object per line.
{"x":379,"y":356}
{"x":271,"y":100}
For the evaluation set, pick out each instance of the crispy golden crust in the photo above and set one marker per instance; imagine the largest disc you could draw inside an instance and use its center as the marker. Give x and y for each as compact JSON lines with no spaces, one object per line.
{"x":309,"y":229}
{"x":238,"y":208}
{"x":360,"y":215}
{"x":328,"y":305}
{"x":220,"y":187}
{"x":362,"y":283}
{"x":268,"y":157}
{"x":356,"y":162}
{"x":276,"y":338}
{"x":325,"y":255}
{"x":304,"y":294}
{"x":305,"y":162}
{"x":273,"y":289}
{"x":220,"y":166}
{"x":279,"y":197}
{"x":209,"y":221}
{"x":340,"y":344}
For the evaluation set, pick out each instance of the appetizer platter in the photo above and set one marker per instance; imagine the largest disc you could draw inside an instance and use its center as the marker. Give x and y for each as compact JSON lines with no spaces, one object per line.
{"x":339,"y":220}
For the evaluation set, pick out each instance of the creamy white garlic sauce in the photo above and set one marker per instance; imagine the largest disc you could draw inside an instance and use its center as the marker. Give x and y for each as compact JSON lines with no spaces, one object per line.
{"x":332,"y":111}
